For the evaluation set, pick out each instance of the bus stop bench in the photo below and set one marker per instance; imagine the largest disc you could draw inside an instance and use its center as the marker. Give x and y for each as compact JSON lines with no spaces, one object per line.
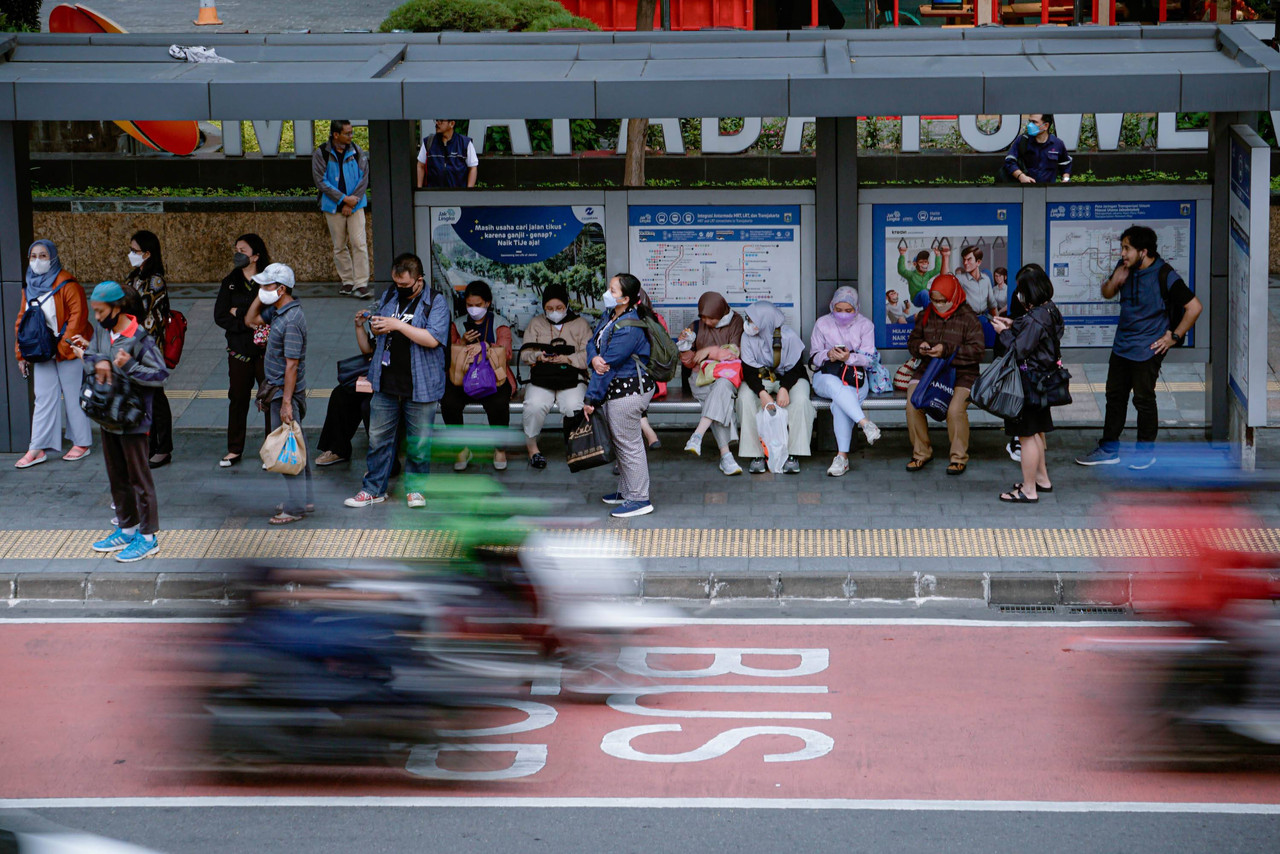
{"x":677,"y":403}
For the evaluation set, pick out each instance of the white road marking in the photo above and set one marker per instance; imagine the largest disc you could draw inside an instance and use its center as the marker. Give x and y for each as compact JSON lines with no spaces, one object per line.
{"x":711,"y":621}
{"x":902,"y":805}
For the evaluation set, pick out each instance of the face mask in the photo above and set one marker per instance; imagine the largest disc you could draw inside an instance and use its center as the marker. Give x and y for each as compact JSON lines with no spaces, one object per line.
{"x":749,"y":328}
{"x":844,"y":318}
{"x":108,"y":323}
{"x":609,"y":300}
{"x":1033,"y":129}
{"x":136,"y":259}
{"x":725,"y":321}
{"x":40,"y":266}
{"x":240,"y":260}
{"x":477,"y":312}
{"x":267,"y":297}
{"x":557,"y":316}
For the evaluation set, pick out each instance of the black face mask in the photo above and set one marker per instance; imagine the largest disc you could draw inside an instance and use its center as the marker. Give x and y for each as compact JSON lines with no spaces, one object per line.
{"x":108,"y":323}
{"x":406,"y":293}
{"x":241,"y":260}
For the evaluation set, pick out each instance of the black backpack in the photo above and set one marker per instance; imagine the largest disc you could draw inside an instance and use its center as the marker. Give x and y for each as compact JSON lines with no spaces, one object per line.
{"x":116,"y":405}
{"x":36,"y":342}
{"x":1175,"y":314}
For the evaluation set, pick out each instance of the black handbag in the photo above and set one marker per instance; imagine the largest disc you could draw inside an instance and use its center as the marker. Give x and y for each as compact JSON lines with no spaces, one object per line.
{"x":850,"y":375}
{"x":116,"y":405}
{"x":552,"y":376}
{"x":588,"y":442}
{"x":353,"y":368}
{"x":1051,"y":387}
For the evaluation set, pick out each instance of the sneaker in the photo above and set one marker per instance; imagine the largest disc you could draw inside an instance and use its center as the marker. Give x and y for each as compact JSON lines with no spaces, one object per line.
{"x":791,"y":466}
{"x":415,"y":499}
{"x":345,"y":290}
{"x":613,"y":498}
{"x":729,"y":466}
{"x":871,"y":431}
{"x":632,"y":508}
{"x":364,"y":499}
{"x":758,"y":466}
{"x":328,"y":458}
{"x":1142,"y":461}
{"x":1014,"y":450}
{"x":114,"y":543}
{"x":694,"y":445}
{"x":362,"y":292}
{"x":1099,"y":456}
{"x":142,"y":545}
{"x":839,"y":467}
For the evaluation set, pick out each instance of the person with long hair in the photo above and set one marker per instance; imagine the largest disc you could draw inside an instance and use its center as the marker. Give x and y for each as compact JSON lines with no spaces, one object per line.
{"x":147,"y":293}
{"x":947,"y":329}
{"x":620,"y":387}
{"x":244,"y":356}
{"x":1035,"y":338}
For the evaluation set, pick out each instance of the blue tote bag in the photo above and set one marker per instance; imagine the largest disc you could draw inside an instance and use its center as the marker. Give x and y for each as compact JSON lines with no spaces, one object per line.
{"x":937,"y":387}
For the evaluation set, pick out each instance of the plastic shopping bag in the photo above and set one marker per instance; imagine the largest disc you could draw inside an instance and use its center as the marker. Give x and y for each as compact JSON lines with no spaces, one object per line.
{"x":285,"y":451}
{"x":999,"y":389}
{"x":772,"y":427}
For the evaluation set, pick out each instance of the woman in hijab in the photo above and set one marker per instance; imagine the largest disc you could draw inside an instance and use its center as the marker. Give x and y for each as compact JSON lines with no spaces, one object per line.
{"x":843,"y":344}
{"x":481,"y":325}
{"x":947,"y":328}
{"x":706,"y":342}
{"x":774,"y":374}
{"x":555,"y":348}
{"x":57,"y":382}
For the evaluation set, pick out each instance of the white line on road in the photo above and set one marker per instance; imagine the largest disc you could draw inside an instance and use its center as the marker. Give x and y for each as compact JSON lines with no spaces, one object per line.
{"x":903,"y":805}
{"x":711,"y":621}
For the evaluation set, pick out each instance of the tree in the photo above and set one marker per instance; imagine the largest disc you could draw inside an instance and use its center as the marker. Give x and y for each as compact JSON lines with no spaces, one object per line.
{"x":20,"y":15}
{"x":638,"y":129}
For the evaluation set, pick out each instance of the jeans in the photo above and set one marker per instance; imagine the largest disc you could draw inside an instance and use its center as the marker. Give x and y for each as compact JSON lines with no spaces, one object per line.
{"x":385,"y":414}
{"x":1125,"y":376}
{"x":846,"y":406}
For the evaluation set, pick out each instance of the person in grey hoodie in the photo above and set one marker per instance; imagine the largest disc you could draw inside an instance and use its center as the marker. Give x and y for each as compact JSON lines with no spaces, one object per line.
{"x":120,"y":346}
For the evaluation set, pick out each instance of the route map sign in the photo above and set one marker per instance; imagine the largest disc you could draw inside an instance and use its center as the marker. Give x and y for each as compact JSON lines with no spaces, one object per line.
{"x":1247,"y":267}
{"x":1083,"y":248}
{"x":746,"y":253}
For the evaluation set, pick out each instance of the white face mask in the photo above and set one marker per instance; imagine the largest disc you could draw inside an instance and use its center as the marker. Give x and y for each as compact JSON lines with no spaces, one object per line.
{"x":609,"y":300}
{"x":725,"y":321}
{"x":40,"y":266}
{"x":557,"y":317}
{"x":749,"y":328}
{"x":267,"y":297}
{"x":477,"y":312}
{"x":136,"y":259}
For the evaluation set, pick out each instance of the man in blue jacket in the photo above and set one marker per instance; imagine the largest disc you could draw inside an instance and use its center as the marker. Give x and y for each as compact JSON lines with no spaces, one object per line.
{"x":1037,"y":156}
{"x":341,"y":174}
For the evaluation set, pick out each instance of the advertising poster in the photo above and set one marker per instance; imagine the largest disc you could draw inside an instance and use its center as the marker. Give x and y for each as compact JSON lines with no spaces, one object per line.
{"x":1247,"y":275}
{"x":1083,"y":247}
{"x":746,"y":253}
{"x":913,"y":243}
{"x":519,"y":251}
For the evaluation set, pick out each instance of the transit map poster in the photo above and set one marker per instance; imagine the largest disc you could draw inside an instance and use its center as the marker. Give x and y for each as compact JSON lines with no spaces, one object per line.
{"x":747,"y":253}
{"x":1083,"y":247}
{"x":912,"y":244}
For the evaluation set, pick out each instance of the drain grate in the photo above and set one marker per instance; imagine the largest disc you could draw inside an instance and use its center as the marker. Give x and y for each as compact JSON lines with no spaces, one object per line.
{"x":1028,"y":609}
{"x":1097,"y":609}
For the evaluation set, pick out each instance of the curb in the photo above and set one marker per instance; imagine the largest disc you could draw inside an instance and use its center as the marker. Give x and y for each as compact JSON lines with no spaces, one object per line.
{"x":1013,"y":590}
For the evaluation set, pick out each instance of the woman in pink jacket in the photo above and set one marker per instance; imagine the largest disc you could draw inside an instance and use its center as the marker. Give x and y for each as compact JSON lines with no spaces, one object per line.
{"x":843,"y":343}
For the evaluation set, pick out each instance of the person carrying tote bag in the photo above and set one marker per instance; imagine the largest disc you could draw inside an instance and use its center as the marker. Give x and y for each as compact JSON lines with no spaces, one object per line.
{"x":483,"y":335}
{"x":1034,"y":338}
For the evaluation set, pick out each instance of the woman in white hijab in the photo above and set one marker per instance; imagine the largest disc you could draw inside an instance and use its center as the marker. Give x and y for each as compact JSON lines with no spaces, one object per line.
{"x":773,"y":376}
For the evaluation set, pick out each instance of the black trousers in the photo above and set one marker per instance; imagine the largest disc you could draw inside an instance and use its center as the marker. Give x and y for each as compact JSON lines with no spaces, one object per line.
{"x":497,"y":406}
{"x":132,"y":489}
{"x":348,"y":409}
{"x":161,"y":424}
{"x":1125,"y":376}
{"x":242,"y":376}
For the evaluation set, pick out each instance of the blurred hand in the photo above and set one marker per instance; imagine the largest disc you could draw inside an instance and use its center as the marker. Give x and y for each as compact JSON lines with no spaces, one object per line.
{"x":588,"y":409}
{"x":599,"y":365}
{"x":121,"y":359}
{"x":102,"y":372}
{"x":286,"y":410}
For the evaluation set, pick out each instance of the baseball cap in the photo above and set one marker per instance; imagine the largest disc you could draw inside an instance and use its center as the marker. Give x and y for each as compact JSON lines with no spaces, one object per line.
{"x":278,"y":274}
{"x":107,"y":291}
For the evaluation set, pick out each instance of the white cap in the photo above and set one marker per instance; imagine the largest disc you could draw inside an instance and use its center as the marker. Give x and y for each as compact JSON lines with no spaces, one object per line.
{"x":278,"y":274}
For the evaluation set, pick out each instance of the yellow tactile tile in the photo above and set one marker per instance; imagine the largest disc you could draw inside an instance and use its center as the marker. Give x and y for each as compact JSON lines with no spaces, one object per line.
{"x":36,"y":545}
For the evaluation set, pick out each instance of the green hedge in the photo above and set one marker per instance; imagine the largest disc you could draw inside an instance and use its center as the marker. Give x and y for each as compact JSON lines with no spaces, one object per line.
{"x":474,"y":16}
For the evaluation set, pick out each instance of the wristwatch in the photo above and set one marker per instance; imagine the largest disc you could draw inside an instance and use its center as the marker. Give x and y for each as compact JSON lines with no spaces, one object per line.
{"x":1177,"y":339}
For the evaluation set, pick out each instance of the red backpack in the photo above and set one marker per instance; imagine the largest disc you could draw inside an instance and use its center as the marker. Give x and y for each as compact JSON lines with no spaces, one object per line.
{"x":175,"y":335}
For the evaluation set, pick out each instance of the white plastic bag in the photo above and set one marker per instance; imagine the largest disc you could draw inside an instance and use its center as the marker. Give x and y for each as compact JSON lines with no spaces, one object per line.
{"x":285,"y":450}
{"x":772,"y":427}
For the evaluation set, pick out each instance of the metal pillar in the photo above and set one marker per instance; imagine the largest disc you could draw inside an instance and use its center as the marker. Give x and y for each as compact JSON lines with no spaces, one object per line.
{"x":836,"y":229}
{"x":391,"y":163}
{"x":15,"y":237}
{"x":1217,"y":404}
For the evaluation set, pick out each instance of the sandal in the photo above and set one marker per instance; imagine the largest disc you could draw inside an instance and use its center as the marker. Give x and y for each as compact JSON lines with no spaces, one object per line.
{"x":283,"y":518}
{"x":1016,"y":496}
{"x":916,"y":465}
{"x":1039,"y":488}
{"x":28,"y":460}
{"x":77,"y":453}
{"x":957,"y":468}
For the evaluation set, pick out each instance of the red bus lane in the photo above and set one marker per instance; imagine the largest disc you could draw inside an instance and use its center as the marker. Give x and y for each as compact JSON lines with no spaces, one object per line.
{"x":859,"y":712}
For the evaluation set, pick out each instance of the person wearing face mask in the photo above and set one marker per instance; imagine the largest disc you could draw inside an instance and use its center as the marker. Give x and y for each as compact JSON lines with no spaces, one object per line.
{"x":407,"y":374}
{"x":244,"y":357}
{"x":1037,"y":156}
{"x":148,"y":296}
{"x":617,"y":354}
{"x":121,"y":346}
{"x":774,"y":375}
{"x":555,"y":348}
{"x":62,"y":303}
{"x":843,"y":344}
{"x":708,"y":339}
{"x":284,"y":370}
{"x":947,"y":328}
{"x":481,"y":325}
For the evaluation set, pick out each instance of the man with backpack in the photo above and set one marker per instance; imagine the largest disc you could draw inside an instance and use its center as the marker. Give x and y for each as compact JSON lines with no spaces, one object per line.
{"x":1157,"y":310}
{"x":1037,"y":156}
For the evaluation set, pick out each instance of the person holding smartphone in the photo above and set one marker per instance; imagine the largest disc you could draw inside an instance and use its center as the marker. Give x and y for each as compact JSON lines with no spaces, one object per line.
{"x":843,"y":344}
{"x":555,"y":348}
